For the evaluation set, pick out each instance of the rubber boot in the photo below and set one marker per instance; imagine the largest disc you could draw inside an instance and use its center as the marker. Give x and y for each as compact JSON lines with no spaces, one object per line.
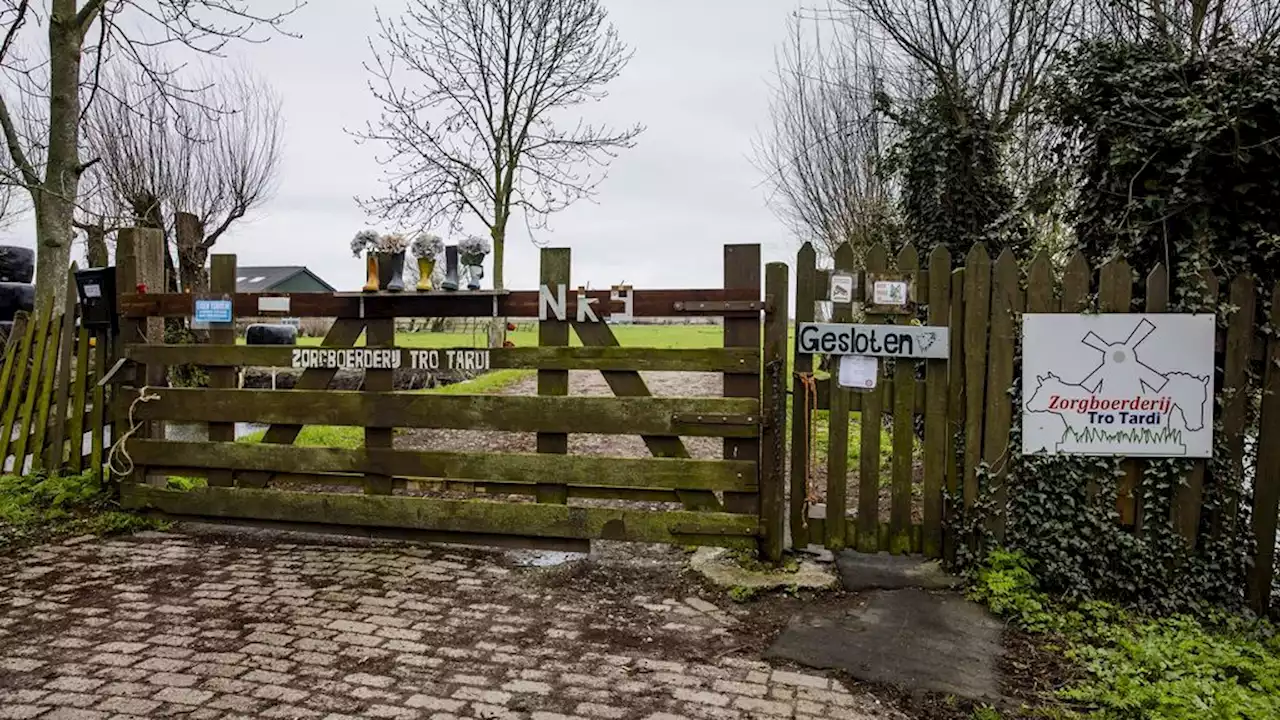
{"x":450,"y":268}
{"x":371,"y":273}
{"x":395,"y":281}
{"x":425,"y":268}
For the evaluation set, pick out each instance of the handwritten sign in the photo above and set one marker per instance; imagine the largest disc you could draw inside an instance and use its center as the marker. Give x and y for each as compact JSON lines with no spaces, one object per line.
{"x":911,"y":341}
{"x":391,"y":359}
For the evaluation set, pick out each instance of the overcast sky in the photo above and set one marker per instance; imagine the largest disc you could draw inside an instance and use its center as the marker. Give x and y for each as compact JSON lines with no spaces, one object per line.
{"x":699,"y":82}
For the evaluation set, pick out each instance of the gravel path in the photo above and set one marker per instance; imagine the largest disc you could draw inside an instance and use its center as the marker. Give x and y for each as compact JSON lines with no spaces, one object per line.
{"x":584,"y":382}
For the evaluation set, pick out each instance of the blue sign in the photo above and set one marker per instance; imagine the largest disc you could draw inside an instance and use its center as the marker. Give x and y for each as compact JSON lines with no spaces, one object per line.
{"x":213,"y":311}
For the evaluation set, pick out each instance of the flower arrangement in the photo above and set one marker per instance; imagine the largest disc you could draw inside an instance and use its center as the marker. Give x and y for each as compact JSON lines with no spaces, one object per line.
{"x":473,"y":245}
{"x":427,"y":246}
{"x":365,"y":240}
{"x":393,"y":243}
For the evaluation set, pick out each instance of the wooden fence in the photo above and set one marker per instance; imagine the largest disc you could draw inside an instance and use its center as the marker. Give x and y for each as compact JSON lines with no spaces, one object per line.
{"x":967,"y":412}
{"x":52,"y":411}
{"x":736,"y":500}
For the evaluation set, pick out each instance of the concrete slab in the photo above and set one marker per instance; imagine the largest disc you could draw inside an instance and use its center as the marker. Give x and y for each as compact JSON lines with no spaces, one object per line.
{"x":911,"y":638}
{"x":882,"y":571}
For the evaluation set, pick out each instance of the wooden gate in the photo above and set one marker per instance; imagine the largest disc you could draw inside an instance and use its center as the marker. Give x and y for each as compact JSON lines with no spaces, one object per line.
{"x":901,"y":475}
{"x":551,"y":497}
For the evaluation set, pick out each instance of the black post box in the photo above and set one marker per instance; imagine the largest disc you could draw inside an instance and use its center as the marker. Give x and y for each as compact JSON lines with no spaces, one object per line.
{"x":97,"y":290}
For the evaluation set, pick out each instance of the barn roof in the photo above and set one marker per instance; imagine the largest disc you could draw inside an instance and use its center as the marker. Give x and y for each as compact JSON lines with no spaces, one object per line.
{"x":266,"y":277}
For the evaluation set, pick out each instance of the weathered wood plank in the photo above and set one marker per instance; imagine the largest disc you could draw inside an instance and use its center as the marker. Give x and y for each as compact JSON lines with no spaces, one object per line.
{"x":80,"y":400}
{"x":718,"y":360}
{"x":742,"y":273}
{"x":694,"y":302}
{"x":1157,"y":301}
{"x":1235,"y":392}
{"x":904,"y":431}
{"x":699,"y":417}
{"x":1006,"y":303}
{"x":802,"y":401}
{"x":1187,"y":504}
{"x":823,"y":386}
{"x":1266,"y":489}
{"x":14,"y":377}
{"x":838,"y":425}
{"x":49,"y":372}
{"x":522,"y":468}
{"x":222,"y":279}
{"x":1040,"y":297}
{"x":935,"y":418}
{"x":1115,"y":295}
{"x":869,"y":424}
{"x":555,"y":270}
{"x":482,"y":516}
{"x":1075,"y":284}
{"x":977,"y":308}
{"x":98,"y":412}
{"x":773,"y":471}
{"x":55,"y":457}
{"x":956,"y":405}
{"x":35,"y":376}
{"x":379,"y":333}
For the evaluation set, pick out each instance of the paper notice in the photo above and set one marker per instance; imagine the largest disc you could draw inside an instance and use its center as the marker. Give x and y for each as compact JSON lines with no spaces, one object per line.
{"x":859,"y":371}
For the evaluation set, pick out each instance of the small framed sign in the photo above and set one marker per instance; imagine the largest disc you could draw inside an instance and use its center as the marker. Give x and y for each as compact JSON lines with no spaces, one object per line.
{"x":210,"y":311}
{"x":889,"y":294}
{"x":843,"y":287}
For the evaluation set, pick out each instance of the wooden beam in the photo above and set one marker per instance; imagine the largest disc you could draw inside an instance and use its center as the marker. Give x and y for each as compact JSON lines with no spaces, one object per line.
{"x":718,"y":360}
{"x":524,"y":468}
{"x":474,"y":516}
{"x":707,"y":417}
{"x":729,"y":302}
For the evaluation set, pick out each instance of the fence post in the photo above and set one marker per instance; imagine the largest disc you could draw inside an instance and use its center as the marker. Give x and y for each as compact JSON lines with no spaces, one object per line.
{"x":222,"y":281}
{"x":554,"y":333}
{"x":139,"y":262}
{"x":379,"y":333}
{"x":742,"y":270}
{"x":801,"y":401}
{"x":773,"y":408}
{"x":835,"y":528}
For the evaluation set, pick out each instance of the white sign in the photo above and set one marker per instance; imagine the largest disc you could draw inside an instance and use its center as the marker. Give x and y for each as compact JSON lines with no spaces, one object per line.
{"x":889,"y":292}
{"x":273,"y":304}
{"x":390,"y":359}
{"x":841,"y":288}
{"x":1118,"y":384}
{"x":859,"y":371}
{"x":553,"y":302}
{"x":913,"y":341}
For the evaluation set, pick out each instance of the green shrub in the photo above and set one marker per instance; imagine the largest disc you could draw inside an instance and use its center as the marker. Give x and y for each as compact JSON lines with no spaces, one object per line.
{"x":1221,"y":666}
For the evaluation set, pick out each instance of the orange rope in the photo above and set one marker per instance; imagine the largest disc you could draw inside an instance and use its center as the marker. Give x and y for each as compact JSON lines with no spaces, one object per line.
{"x":810,"y":384}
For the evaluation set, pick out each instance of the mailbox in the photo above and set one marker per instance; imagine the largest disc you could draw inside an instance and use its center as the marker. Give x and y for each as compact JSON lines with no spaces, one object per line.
{"x":97,"y":290}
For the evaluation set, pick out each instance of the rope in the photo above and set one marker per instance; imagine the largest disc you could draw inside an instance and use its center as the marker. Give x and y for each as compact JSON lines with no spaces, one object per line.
{"x":810,"y":384}
{"x":118,"y":450}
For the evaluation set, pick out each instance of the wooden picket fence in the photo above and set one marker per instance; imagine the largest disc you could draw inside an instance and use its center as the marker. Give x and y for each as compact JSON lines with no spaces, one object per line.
{"x":968,"y":412}
{"x":52,"y":411}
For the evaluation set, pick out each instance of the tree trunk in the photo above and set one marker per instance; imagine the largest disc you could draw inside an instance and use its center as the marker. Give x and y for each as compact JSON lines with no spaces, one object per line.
{"x":55,"y":199}
{"x":498,"y":328}
{"x":192,"y":254}
{"x":96,"y":239}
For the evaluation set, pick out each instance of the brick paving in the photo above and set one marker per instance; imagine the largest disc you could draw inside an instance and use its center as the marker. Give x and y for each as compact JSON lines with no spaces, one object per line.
{"x":166,"y":626}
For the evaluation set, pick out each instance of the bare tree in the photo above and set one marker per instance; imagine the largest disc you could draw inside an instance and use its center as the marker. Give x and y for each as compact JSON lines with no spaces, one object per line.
{"x":472,"y":94}
{"x":821,"y":154}
{"x":1189,"y":25}
{"x":189,"y":169}
{"x":80,"y":38}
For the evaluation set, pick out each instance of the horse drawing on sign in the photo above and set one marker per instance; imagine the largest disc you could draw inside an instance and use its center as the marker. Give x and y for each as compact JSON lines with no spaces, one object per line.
{"x":1122,"y":432}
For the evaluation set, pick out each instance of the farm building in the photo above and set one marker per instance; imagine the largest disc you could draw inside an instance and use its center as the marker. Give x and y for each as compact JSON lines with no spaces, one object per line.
{"x":283,"y":278}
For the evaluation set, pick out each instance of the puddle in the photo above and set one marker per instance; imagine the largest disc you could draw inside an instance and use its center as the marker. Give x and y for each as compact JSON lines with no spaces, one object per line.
{"x":544,"y":558}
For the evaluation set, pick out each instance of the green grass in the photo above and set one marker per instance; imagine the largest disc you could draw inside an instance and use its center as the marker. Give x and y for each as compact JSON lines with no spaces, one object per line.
{"x":1169,"y":668}
{"x":38,"y":508}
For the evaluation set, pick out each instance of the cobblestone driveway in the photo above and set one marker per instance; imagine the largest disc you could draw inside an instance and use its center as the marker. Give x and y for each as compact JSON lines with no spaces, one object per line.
{"x":172,"y":626}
